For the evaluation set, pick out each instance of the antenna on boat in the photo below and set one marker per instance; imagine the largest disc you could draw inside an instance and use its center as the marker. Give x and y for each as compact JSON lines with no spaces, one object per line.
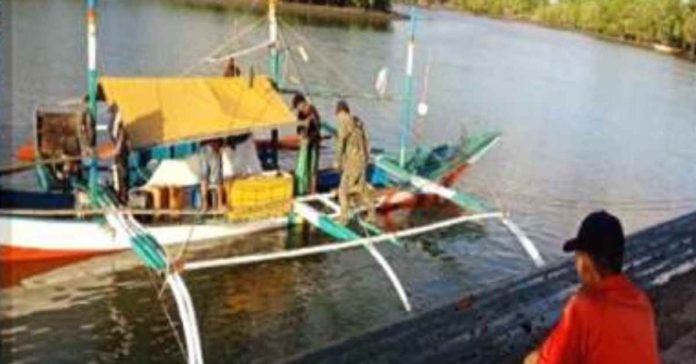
{"x":92,"y":90}
{"x":407,"y":113}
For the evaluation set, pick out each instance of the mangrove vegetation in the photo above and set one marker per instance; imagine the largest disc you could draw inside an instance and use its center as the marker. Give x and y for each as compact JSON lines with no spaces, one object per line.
{"x":666,"y":22}
{"x":378,"y":5}
{"x":372,"y":13}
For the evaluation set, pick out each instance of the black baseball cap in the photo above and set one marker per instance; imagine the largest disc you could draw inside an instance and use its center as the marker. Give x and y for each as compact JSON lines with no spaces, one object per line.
{"x":601,"y":236}
{"x":342,"y":106}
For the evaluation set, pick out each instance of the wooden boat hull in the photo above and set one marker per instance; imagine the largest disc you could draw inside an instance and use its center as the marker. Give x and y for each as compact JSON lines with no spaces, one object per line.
{"x":19,"y":254}
{"x":32,"y":239}
{"x":38,"y":239}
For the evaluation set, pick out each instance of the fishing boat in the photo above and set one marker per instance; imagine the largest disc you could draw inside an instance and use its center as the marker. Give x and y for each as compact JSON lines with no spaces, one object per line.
{"x":43,"y":225}
{"x":141,"y":192}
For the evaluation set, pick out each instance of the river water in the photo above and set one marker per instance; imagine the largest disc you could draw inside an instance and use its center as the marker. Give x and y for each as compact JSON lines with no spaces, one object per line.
{"x":586,"y":125}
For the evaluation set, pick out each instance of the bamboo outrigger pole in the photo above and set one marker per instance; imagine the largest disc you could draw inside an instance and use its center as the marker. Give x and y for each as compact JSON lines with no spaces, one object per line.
{"x":407,"y":113}
{"x":92,"y":92}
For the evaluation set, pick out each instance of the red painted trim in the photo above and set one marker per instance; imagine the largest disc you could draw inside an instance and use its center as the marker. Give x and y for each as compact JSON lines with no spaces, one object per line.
{"x":289,"y":142}
{"x":27,"y":153}
{"x":17,"y":264}
{"x":417,"y":199}
{"x":11,"y":255}
{"x":453,"y":176}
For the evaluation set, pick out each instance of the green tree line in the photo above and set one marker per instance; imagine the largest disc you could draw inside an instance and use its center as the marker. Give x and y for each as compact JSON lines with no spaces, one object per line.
{"x":378,"y":5}
{"x":668,"y":22}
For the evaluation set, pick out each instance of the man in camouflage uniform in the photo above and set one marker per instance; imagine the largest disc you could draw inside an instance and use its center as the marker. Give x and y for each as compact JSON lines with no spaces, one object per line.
{"x":352,"y":155}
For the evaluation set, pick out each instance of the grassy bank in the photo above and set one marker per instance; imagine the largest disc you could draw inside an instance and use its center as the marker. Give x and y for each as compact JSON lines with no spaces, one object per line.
{"x":665,"y":25}
{"x":326,"y":12}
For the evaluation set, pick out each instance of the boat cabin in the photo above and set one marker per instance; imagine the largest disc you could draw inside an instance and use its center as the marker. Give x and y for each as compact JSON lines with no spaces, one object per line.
{"x":163,"y":123}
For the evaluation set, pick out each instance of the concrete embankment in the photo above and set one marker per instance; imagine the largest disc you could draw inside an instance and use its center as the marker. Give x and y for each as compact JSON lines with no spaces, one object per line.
{"x":500,"y":324}
{"x":675,"y":304}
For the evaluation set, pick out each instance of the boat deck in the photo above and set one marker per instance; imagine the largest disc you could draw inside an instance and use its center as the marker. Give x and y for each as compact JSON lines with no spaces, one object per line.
{"x":502,"y":323}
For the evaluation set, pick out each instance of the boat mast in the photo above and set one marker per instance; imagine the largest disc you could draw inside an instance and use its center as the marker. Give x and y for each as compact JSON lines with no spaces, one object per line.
{"x":274,"y":69}
{"x":92,"y":90}
{"x":407,"y":113}
{"x":274,"y":58}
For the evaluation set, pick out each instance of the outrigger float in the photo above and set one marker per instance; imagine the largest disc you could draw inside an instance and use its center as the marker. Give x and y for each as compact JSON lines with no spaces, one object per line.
{"x":79,"y":212}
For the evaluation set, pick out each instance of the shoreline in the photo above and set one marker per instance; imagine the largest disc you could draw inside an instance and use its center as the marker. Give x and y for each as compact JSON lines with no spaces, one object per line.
{"x":310,"y":11}
{"x":658,"y":48}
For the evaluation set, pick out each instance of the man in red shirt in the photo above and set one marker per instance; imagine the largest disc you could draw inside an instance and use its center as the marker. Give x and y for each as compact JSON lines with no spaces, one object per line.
{"x":609,"y":320}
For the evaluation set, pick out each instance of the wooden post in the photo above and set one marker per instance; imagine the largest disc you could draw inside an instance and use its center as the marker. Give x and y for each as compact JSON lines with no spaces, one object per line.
{"x":274,"y":148}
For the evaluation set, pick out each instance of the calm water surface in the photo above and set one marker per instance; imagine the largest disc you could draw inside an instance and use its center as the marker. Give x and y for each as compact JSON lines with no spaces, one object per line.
{"x":586,"y":125}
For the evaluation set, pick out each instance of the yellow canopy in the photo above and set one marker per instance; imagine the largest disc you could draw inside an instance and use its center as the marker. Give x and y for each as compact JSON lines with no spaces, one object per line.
{"x":168,"y":110}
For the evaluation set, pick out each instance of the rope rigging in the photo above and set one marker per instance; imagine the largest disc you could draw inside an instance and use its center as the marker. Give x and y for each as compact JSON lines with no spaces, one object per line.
{"x":354,"y":91}
{"x":222,"y":47}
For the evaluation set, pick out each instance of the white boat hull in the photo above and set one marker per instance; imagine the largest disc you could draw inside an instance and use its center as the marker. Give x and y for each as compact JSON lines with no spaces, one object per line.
{"x":34,"y":239}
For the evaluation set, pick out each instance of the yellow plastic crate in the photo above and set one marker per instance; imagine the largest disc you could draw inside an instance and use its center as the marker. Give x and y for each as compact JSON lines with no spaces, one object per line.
{"x":258,"y":197}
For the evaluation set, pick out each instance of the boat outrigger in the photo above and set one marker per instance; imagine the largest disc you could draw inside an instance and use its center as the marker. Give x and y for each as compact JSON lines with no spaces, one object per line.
{"x":152,"y":200}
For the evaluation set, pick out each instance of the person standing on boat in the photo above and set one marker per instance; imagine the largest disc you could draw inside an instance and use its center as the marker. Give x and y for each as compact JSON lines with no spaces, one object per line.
{"x":609,"y":320}
{"x":352,"y":155}
{"x":211,"y":173}
{"x":310,"y":133}
{"x":121,"y":150}
{"x":232,"y":69}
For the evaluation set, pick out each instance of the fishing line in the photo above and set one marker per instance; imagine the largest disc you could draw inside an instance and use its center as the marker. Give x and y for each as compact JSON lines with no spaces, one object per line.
{"x":177,"y":336}
{"x":635,"y":204}
{"x":184,"y":247}
{"x":303,"y":80}
{"x":223,"y":46}
{"x":422,"y":111}
{"x":497,"y":199}
{"x":333,"y":69}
